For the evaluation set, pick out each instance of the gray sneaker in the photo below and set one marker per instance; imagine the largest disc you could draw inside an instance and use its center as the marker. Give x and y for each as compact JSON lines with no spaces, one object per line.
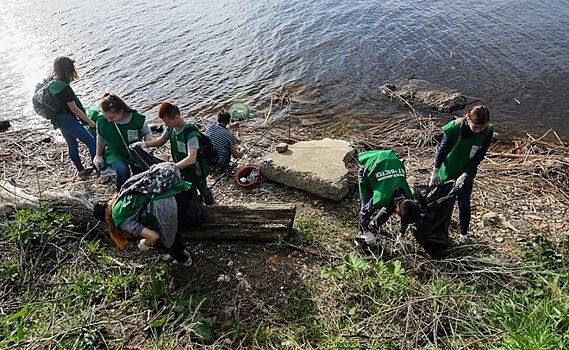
{"x":365,"y":238}
{"x":107,"y":174}
{"x":464,"y":240}
{"x":83,"y":174}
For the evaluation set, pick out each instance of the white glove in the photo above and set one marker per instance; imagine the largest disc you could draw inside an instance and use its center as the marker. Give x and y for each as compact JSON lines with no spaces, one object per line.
{"x":435,"y":179}
{"x":99,"y":162}
{"x":460,"y":181}
{"x":142,"y":245}
{"x":140,"y":144}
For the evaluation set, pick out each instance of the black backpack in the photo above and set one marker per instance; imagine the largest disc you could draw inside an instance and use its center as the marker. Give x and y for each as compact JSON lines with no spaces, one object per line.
{"x":45,"y":104}
{"x":208,"y":151}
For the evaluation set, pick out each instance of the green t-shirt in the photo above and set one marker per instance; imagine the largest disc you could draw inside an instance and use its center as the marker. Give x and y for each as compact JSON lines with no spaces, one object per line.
{"x":385,"y":174}
{"x":55,"y":87}
{"x":128,"y":205}
{"x":462,"y":150}
{"x":179,"y":151}
{"x":130,"y":132}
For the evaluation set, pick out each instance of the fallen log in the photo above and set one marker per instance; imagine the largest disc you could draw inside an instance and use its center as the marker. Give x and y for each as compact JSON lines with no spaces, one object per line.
{"x":267,"y":222}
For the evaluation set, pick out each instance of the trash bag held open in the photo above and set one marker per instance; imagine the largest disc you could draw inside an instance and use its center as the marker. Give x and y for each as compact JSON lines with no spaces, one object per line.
{"x":437,"y":203}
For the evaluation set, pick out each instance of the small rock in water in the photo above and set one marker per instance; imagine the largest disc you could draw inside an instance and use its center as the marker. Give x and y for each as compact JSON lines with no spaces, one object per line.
{"x":5,"y":125}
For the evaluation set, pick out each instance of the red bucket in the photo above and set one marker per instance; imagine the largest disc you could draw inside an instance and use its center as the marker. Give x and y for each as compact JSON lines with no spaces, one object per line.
{"x":248,"y":177}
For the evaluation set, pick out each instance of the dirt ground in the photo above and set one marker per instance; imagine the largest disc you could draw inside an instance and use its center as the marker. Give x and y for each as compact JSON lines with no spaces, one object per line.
{"x":516,"y":194}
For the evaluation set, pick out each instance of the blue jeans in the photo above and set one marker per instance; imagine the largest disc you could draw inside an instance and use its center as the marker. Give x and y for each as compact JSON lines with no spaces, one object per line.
{"x":72,"y":132}
{"x":123,"y":171}
{"x":464,"y":213}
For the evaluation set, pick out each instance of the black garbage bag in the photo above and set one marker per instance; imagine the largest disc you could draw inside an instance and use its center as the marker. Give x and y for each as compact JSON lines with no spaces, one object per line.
{"x":431,"y":231}
{"x":143,"y":159}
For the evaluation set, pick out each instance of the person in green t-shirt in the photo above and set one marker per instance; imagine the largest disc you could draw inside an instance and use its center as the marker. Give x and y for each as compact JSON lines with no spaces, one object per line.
{"x":71,"y":114}
{"x":120,"y":127}
{"x":152,"y":207}
{"x":464,"y":145}
{"x":184,"y":147}
{"x":383,"y":189}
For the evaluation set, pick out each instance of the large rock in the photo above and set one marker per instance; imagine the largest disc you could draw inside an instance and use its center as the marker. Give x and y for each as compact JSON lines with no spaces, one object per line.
{"x":419,"y":92}
{"x":318,"y":167}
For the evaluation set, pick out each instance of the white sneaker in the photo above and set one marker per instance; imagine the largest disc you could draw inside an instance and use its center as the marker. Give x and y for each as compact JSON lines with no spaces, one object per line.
{"x":401,"y":244}
{"x":107,"y":174}
{"x":464,"y":240}
{"x":187,"y":262}
{"x":365,"y":237}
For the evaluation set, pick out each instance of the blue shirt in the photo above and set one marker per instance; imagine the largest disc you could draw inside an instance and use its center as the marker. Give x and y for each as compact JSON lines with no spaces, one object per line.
{"x":222,"y":139}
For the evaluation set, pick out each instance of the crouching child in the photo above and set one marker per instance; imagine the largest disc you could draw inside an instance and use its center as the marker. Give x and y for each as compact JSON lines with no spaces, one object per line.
{"x":151,"y":208}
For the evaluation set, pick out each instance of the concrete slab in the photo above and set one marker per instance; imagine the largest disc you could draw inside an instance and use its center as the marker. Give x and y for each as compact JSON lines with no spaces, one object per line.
{"x":317,"y":167}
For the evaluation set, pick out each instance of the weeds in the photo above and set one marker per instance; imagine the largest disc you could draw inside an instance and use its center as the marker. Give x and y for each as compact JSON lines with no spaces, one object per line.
{"x":60,"y":290}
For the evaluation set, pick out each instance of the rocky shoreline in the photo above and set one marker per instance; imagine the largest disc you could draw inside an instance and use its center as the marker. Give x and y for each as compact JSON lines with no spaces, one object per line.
{"x":520,"y":190}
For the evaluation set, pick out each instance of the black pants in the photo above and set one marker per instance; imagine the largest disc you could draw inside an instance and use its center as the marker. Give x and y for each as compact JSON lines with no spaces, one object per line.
{"x":176,"y":250}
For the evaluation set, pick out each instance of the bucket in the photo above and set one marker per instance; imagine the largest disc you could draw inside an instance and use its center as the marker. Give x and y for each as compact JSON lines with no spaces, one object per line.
{"x":239,"y":111}
{"x":248,"y":176}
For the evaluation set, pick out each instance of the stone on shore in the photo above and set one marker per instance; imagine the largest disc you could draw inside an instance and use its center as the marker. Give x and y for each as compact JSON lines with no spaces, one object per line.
{"x":317,"y":167}
{"x":419,"y":92}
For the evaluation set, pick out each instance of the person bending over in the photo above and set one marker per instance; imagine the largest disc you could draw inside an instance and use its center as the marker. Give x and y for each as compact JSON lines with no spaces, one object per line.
{"x":383,"y":191}
{"x":151,"y":207}
{"x":120,"y":127}
{"x":185,"y":148}
{"x":465,"y":143}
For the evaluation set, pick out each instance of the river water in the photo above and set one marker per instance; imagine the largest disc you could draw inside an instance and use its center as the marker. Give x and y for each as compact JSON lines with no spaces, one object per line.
{"x":334,"y":55}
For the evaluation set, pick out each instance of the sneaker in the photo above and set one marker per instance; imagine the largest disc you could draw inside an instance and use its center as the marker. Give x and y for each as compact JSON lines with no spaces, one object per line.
{"x":185,"y":263}
{"x":464,"y":240}
{"x":83,"y":174}
{"x":401,"y":244}
{"x":107,"y":174}
{"x":365,"y":238}
{"x":166,"y":257}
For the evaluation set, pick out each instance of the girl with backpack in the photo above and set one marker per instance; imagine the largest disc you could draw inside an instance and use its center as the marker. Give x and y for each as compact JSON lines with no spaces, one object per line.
{"x":70,"y":117}
{"x":120,"y":127}
{"x":464,"y":145}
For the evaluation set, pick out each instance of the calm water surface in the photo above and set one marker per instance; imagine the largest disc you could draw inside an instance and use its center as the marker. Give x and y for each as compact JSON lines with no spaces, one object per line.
{"x":334,"y":55}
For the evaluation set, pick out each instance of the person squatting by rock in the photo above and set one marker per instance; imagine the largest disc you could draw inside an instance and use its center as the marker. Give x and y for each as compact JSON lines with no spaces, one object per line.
{"x":383,"y":188}
{"x":152,"y":207}
{"x":224,"y":141}
{"x":184,"y":147}
{"x":465,"y":143}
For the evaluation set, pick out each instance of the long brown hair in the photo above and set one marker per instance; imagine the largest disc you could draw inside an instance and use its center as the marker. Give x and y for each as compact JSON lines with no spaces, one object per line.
{"x":118,"y":235}
{"x":64,"y":69}
{"x":111,"y":102}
